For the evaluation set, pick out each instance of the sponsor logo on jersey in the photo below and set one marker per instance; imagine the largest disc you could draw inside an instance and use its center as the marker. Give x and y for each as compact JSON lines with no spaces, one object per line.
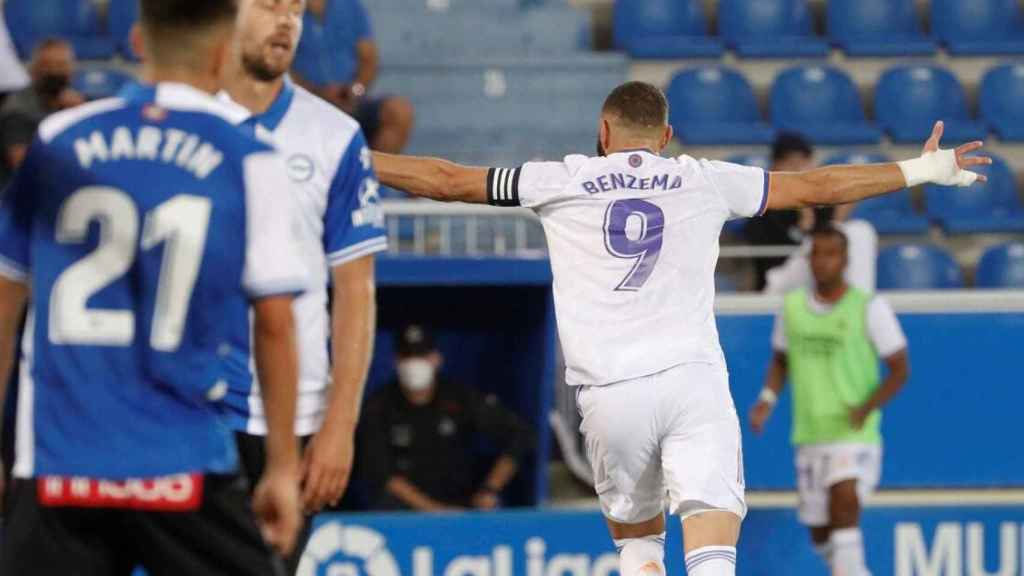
{"x":300,"y":168}
{"x":169,"y":493}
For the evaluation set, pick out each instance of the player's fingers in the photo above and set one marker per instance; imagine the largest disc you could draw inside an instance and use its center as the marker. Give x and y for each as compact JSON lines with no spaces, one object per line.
{"x":311,"y":486}
{"x":981,"y":178}
{"x":974,"y":161}
{"x":932,"y":144}
{"x":969,"y":147}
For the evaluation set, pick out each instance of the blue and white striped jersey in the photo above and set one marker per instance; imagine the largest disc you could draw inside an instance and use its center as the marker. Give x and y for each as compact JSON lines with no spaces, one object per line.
{"x":140,"y":222}
{"x":330,"y":175}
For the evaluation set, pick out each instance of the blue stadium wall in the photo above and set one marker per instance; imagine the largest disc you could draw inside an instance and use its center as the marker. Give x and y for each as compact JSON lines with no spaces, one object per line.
{"x":954,"y":425}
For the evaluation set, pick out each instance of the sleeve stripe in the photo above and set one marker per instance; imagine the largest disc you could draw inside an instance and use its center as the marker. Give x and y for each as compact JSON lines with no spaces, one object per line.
{"x":764,"y":194}
{"x":364,"y":248}
{"x":503,"y":186}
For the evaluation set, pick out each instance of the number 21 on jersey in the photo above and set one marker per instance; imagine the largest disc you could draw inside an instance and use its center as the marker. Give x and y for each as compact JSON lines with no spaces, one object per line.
{"x":180,"y":222}
{"x":633,"y":230}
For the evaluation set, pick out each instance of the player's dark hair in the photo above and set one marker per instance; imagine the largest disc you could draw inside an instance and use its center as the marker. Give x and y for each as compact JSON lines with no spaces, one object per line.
{"x":825,"y":228}
{"x":50,"y":42}
{"x":639,"y":104}
{"x":161,"y":16}
{"x":787,"y":143}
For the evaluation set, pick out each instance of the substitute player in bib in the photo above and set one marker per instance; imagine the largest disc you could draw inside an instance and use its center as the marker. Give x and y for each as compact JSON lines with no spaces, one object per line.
{"x":331,"y":177}
{"x":633,"y":241}
{"x":134,"y":227}
{"x":829,"y":342}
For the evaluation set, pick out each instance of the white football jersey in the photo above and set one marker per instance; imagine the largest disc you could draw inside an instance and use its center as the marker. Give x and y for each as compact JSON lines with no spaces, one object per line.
{"x":330,"y":171}
{"x":633,"y":242}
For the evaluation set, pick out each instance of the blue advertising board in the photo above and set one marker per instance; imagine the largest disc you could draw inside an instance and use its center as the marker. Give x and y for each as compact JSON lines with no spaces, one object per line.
{"x":900,"y":541}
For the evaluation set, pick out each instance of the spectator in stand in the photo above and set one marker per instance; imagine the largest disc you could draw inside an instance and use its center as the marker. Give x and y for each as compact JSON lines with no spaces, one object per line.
{"x":337,"y":60}
{"x":418,"y":434}
{"x":790,"y":153}
{"x":53,"y":63}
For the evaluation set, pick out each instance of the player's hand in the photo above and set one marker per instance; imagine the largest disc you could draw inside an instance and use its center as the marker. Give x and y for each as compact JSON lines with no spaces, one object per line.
{"x":327,"y":466}
{"x":955,"y":172}
{"x":276,"y":503}
{"x":858,"y":415}
{"x":759,"y":415}
{"x":485,"y":500}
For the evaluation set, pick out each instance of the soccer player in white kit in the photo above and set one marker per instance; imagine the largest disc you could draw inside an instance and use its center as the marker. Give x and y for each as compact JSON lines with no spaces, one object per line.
{"x":633,"y":242}
{"x":331,"y":175}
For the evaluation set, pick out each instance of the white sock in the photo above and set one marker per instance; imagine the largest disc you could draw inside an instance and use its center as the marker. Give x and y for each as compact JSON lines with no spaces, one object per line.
{"x":712,"y":561}
{"x":848,"y":553}
{"x":824,"y":551}
{"x":642,"y":556}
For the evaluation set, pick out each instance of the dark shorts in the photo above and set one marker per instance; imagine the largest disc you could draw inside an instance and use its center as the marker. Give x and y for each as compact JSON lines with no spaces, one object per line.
{"x":219,"y":537}
{"x":252,"y":456}
{"x":368,"y":116}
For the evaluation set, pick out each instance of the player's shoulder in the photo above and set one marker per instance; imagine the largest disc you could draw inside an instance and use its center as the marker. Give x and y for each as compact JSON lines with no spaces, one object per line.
{"x":61,"y":122}
{"x":326,"y":117}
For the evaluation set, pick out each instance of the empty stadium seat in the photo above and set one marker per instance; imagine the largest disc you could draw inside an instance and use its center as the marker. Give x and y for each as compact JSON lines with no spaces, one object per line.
{"x":769,"y":28}
{"x":889,"y":214}
{"x":97,"y":82}
{"x":31,"y":21}
{"x":1002,"y":267}
{"x":121,"y":15}
{"x":969,"y":27}
{"x":663,"y":29}
{"x":1002,"y":101}
{"x":821,"y":103}
{"x":909,"y":99}
{"x":715,"y":105}
{"x":877,"y":28}
{"x":917,"y":267}
{"x":990,"y":207}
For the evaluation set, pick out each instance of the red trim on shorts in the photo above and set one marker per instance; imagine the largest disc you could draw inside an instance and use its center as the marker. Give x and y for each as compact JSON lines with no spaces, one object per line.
{"x":179,"y":493}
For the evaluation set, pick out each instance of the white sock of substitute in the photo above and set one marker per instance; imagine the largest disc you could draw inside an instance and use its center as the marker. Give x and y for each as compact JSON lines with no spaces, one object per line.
{"x":642,"y":556}
{"x":712,"y":561}
{"x":824,"y":551}
{"x":848,"y":553}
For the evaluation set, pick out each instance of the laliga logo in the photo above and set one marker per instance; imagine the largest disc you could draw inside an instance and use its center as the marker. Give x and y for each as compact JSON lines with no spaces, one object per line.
{"x":365,"y":549}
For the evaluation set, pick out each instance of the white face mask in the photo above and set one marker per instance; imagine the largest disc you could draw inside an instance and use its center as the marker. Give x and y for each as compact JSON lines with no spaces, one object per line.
{"x":416,"y":374}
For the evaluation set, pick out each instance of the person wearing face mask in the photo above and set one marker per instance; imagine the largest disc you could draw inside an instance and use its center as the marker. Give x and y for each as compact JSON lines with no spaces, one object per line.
{"x":417,"y":437}
{"x":52,"y":65}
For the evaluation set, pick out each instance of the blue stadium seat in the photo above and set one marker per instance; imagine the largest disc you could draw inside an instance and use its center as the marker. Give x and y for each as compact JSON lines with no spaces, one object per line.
{"x":78,"y":22}
{"x":990,"y":207}
{"x":1002,"y":101}
{"x":769,"y":28}
{"x":909,"y":99}
{"x":917,"y":267}
{"x":96,"y":82}
{"x":821,"y":103}
{"x":663,"y":29}
{"x":974,"y":27}
{"x":715,"y":105}
{"x":121,"y":15}
{"x":889,"y":214}
{"x":877,"y":28}
{"x":1002,"y":267}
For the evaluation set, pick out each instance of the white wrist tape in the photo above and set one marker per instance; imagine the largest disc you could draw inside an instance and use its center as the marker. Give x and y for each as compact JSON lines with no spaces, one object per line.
{"x":768,"y":396}
{"x":937,"y":167}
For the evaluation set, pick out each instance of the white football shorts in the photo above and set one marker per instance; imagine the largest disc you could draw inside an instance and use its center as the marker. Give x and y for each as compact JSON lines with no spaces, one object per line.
{"x":674,"y":435}
{"x":821,"y":466}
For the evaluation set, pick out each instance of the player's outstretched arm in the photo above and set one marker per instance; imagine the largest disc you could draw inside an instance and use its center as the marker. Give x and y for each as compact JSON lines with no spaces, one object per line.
{"x":432,"y":178}
{"x":276,"y":499}
{"x":13,"y":296}
{"x":774,"y":383}
{"x":844,"y":184}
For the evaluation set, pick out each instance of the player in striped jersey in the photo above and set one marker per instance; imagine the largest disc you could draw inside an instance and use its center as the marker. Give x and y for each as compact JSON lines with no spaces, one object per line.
{"x":633,"y":242}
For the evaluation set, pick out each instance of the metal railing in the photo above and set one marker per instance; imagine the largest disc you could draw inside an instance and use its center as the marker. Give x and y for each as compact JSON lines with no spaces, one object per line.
{"x":427,"y":228}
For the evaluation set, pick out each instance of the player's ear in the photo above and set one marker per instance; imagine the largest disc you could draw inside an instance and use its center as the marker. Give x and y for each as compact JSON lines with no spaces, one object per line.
{"x":666,"y":137}
{"x":138,"y":41}
{"x":604,"y":131}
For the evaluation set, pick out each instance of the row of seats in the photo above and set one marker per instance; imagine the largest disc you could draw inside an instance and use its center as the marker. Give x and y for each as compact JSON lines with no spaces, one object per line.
{"x":784,"y":28}
{"x":929,"y":267}
{"x":992,"y":207}
{"x":95,"y":34}
{"x":717,"y":105}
